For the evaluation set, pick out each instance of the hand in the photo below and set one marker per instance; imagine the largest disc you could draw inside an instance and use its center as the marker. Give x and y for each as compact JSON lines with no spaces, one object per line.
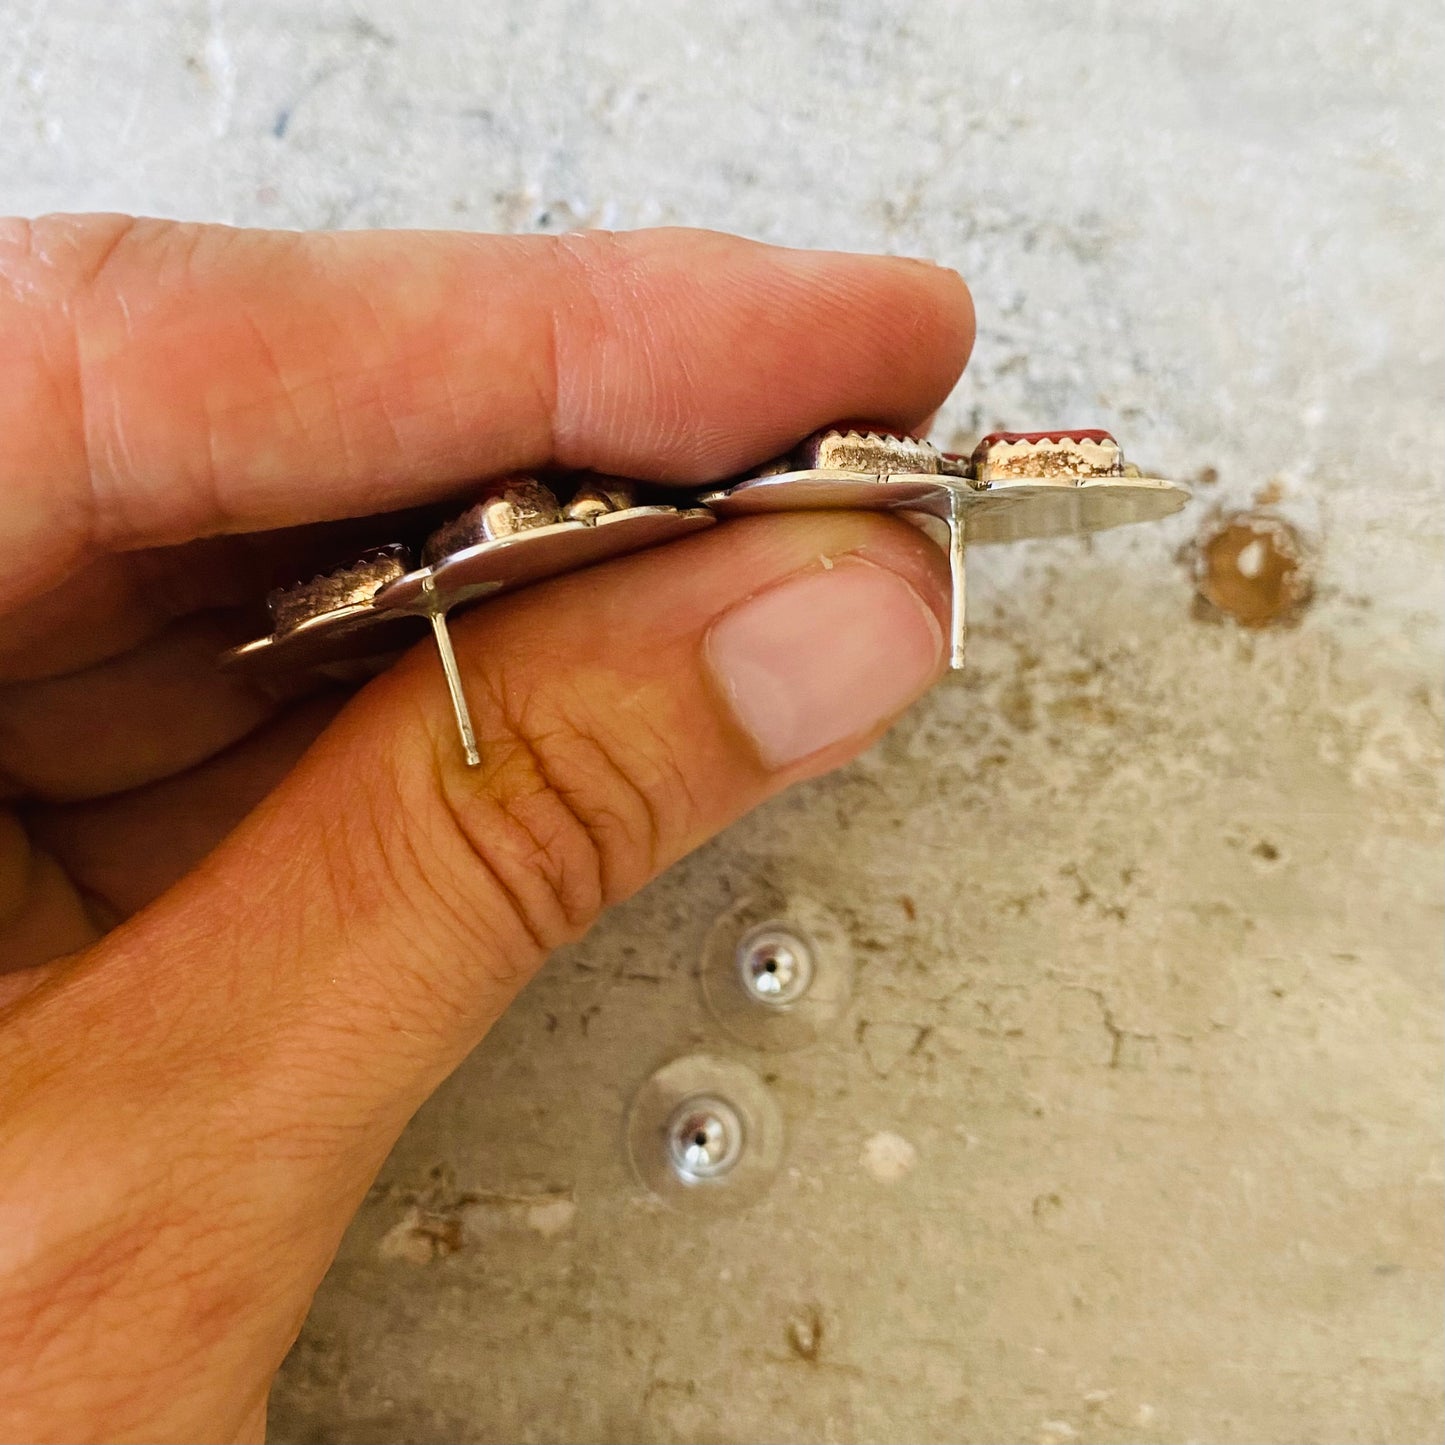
{"x":247,"y":936}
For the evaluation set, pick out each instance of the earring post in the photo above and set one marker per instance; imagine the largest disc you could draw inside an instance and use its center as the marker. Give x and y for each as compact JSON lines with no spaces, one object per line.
{"x":454,"y":679}
{"x":958,"y":624}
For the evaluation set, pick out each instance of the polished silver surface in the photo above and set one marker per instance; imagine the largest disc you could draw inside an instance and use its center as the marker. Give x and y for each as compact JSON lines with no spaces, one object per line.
{"x":1008,"y":511}
{"x":599,"y":498}
{"x":503,"y":563}
{"x":509,"y":506}
{"x":344,"y":634}
{"x":1019,"y":510}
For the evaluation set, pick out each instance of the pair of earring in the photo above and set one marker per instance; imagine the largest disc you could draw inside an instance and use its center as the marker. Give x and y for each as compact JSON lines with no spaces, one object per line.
{"x":1014,"y":485}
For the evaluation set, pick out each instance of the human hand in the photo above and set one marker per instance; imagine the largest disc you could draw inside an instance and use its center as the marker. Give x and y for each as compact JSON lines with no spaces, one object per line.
{"x":246,"y":936}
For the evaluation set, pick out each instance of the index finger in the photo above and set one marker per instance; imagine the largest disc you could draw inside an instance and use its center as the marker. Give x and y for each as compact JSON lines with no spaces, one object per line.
{"x":164,"y":381}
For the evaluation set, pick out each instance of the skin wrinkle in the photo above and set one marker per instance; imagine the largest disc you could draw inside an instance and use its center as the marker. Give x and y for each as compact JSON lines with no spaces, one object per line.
{"x":559,"y":852}
{"x":40,"y":1320}
{"x":99,"y":450}
{"x":102,"y":1262}
{"x":123,"y":1271}
{"x":512,"y":795}
{"x":458,"y":832}
{"x":481,"y":929}
{"x":449,"y":897}
{"x":26,"y":289}
{"x":366,"y":305}
{"x":222,"y":712}
{"x":586,"y":328}
{"x":437,"y":366}
{"x":291,"y":389}
{"x":666,"y":776}
{"x":664,"y":335}
{"x":610,"y":823}
{"x":412,"y":882}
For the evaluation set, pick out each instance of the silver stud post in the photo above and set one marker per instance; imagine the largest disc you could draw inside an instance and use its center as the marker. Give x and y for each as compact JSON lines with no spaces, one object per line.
{"x":453,"y":676}
{"x":956,"y":540}
{"x":775,"y":965}
{"x":704,"y":1139}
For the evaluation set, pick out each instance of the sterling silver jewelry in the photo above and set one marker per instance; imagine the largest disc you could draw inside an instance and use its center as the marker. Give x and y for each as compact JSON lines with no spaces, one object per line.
{"x":1014,"y":485}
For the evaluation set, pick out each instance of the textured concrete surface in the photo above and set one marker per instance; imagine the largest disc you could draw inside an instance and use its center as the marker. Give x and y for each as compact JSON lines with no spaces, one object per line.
{"x":1133,"y":1130}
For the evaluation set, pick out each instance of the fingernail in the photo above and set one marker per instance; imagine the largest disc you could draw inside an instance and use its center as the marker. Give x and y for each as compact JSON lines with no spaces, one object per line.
{"x":824,"y":657}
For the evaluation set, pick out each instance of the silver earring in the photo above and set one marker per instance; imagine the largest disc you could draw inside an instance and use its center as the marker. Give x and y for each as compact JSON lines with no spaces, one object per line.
{"x":1014,"y":485}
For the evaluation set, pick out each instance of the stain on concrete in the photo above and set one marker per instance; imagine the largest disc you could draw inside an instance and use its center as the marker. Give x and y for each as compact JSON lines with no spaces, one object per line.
{"x":887,"y":1044}
{"x":441,"y":1222}
{"x":1253,"y":569}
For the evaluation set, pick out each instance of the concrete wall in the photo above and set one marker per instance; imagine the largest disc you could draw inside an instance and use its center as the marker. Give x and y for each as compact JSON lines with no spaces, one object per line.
{"x":1145,"y":908}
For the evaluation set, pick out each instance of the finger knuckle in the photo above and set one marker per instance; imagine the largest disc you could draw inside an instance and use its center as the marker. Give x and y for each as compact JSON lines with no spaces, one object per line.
{"x":572,"y":810}
{"x":48,"y":267}
{"x":606,"y":326}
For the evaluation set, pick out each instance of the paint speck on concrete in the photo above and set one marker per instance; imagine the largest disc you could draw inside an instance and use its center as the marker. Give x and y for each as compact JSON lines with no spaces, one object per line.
{"x":1056,"y":1432}
{"x":553,"y":1216}
{"x":888,"y":1157}
{"x":421,"y":1237}
{"x":439,"y":1226}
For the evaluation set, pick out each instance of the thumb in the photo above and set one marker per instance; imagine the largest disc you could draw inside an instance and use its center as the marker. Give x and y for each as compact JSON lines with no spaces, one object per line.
{"x":395,"y":900}
{"x":283,"y":1011}
{"x":624,"y":715}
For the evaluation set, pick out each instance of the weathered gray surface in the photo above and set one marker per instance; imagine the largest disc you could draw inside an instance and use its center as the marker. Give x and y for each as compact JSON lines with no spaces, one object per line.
{"x":1147,"y":909}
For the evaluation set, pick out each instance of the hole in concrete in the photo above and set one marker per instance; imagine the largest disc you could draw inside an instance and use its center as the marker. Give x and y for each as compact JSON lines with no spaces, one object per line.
{"x":1253,"y":569}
